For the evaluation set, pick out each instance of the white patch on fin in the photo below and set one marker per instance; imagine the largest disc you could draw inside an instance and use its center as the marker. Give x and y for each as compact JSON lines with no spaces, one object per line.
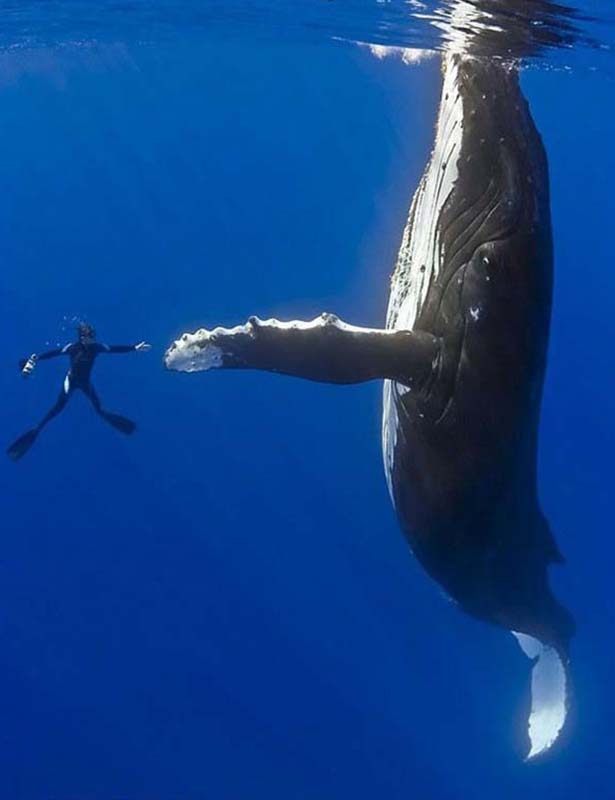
{"x":549,"y":694}
{"x":193,"y":353}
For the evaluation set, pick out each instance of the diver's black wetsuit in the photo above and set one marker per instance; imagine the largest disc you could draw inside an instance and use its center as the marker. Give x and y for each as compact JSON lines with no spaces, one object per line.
{"x":82,"y":355}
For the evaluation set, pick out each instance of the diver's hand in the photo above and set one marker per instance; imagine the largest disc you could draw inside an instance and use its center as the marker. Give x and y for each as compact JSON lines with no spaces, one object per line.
{"x":143,"y":347}
{"x":27,"y":365}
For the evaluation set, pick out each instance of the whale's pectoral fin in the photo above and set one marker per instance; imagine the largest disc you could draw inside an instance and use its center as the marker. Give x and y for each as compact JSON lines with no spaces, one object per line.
{"x":323,"y":349}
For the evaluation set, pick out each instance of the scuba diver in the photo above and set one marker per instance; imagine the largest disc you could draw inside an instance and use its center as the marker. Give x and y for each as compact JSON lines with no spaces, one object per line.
{"x":82,"y":355}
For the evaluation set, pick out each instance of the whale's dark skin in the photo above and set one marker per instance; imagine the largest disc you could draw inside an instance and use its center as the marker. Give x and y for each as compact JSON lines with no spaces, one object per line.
{"x":466,"y":374}
{"x":463,"y":476}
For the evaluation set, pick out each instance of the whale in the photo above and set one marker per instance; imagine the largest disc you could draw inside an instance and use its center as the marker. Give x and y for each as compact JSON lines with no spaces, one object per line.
{"x":462,"y":355}
{"x":475,"y":269}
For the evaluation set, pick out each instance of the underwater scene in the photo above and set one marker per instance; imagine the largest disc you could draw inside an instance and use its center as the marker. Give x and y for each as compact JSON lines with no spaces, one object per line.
{"x":308,"y":419}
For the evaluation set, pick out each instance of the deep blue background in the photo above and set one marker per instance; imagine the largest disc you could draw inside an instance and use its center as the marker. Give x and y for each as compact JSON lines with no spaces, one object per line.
{"x":223,"y":606}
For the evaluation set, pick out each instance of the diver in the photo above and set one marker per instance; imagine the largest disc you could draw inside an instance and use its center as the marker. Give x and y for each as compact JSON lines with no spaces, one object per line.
{"x":82,"y":355}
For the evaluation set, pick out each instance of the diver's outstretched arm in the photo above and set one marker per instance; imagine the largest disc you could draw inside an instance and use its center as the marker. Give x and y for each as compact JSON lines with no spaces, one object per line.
{"x":324,"y":349}
{"x":125,"y":348}
{"x":26,"y":365}
{"x":58,"y":351}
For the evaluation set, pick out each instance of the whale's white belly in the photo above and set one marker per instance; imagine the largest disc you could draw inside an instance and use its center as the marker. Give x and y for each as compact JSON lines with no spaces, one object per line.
{"x":420,"y":254}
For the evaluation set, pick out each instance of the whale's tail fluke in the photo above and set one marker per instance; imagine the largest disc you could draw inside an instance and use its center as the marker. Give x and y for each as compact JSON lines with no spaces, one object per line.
{"x":550,"y":693}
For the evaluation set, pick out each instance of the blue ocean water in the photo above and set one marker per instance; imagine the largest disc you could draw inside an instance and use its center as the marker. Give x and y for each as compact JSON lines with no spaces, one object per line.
{"x":223,"y":606}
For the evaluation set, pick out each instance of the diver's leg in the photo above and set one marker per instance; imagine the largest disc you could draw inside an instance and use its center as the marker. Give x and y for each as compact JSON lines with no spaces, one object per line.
{"x":21,"y":446}
{"x":59,"y":405}
{"x":324,"y":349}
{"x":90,"y":393}
{"x":120,"y":423}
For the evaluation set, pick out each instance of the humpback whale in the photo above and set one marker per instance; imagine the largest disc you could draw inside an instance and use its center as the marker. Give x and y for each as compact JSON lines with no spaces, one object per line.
{"x":462,"y":357}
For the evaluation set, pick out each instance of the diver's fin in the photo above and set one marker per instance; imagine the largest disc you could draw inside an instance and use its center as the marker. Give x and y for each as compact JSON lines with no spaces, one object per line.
{"x":21,"y":446}
{"x":122,"y":424}
{"x":324,"y":349}
{"x":549,"y":693}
